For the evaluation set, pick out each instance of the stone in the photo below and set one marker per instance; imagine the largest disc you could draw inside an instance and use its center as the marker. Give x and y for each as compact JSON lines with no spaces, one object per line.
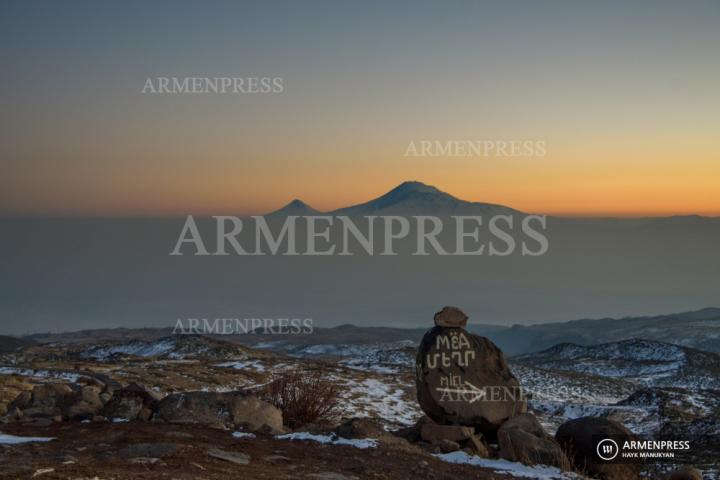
{"x":252,"y":414}
{"x":276,"y":459}
{"x":523,"y":439}
{"x":329,"y":476}
{"x":578,"y":438}
{"x":520,"y":446}
{"x":87,"y":404}
{"x":220,"y":409}
{"x":412,"y":433}
{"x":48,"y":400}
{"x":477,"y":445}
{"x":463,"y":379}
{"x":432,"y":432}
{"x":233,"y":457}
{"x":451,"y":317}
{"x":149,"y":450}
{"x":360,"y":428}
{"x":40,"y":421}
{"x":145,"y":414}
{"x":146,"y":461}
{"x":526,"y":422}
{"x":685,"y":473}
{"x":447,"y":446}
{"x":15,"y":414}
{"x":21,"y":402}
{"x":127,"y":402}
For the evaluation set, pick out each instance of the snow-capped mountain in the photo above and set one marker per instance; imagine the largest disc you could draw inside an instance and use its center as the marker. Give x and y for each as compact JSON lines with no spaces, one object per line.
{"x":408,"y":198}
{"x":417,"y":198}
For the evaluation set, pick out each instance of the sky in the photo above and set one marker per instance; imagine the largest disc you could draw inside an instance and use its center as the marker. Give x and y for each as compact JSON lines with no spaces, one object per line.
{"x":624,"y":95}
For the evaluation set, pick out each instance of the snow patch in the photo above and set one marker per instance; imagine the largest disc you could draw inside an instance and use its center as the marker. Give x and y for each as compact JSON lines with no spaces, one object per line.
{"x":540,"y":472}
{"x":373,"y":398}
{"x":29,"y":372}
{"x":331,"y":439}
{"x":6,"y":439}
{"x":244,"y":365}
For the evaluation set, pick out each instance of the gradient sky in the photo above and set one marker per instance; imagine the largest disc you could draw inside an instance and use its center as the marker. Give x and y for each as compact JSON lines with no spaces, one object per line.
{"x":625,"y":94}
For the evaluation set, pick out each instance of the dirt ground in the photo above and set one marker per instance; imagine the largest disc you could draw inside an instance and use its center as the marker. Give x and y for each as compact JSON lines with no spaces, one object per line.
{"x":103,"y":451}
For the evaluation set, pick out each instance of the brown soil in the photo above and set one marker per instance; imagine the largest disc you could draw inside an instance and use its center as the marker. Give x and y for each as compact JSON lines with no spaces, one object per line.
{"x":95,"y":451}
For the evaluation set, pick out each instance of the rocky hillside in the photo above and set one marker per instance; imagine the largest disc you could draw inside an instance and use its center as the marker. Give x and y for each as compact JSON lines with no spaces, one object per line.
{"x":12,"y":344}
{"x":643,"y":362}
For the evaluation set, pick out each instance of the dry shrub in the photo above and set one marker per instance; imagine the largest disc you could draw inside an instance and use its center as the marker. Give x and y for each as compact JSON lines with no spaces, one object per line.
{"x":303,"y":396}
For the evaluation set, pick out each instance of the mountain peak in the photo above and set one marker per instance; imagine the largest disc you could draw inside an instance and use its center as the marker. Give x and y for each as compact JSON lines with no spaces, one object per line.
{"x":297,"y":203}
{"x":416,"y":198}
{"x":414,"y":186}
{"x":296,"y":207}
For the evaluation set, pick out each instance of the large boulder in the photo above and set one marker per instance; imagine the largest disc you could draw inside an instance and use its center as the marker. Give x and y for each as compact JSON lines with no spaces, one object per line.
{"x":579,"y":438}
{"x":132,"y":402}
{"x":522,"y":439}
{"x":463,"y":379}
{"x":221,"y":410}
{"x":58,"y":400}
{"x":48,"y":400}
{"x":87,"y":403}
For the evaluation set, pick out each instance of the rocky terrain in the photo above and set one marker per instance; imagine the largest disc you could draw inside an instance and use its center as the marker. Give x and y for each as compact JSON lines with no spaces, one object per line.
{"x":94,"y":398}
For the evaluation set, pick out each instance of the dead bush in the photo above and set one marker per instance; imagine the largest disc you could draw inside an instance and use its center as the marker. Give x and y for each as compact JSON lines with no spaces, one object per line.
{"x":303,"y":396}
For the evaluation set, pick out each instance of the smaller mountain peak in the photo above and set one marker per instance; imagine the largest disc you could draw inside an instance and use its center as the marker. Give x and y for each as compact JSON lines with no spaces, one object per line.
{"x":295,"y":207}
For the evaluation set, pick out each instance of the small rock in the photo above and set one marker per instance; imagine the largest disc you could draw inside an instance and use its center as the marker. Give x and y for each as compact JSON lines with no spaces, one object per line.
{"x":146,"y":461}
{"x":478,"y":446}
{"x":432,"y":432}
{"x":128,"y":402}
{"x":42,"y":471}
{"x":329,"y":476}
{"x":685,"y":473}
{"x":451,"y":317}
{"x":233,"y":457}
{"x":447,"y":446}
{"x":159,"y":450}
{"x":145,"y":414}
{"x":15,"y":414}
{"x":276,"y":459}
{"x":39,"y":422}
{"x":360,"y":428}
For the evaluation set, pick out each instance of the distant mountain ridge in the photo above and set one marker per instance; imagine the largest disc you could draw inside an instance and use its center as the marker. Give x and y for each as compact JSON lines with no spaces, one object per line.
{"x":644,"y":362}
{"x":699,"y":329}
{"x":408,"y":198}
